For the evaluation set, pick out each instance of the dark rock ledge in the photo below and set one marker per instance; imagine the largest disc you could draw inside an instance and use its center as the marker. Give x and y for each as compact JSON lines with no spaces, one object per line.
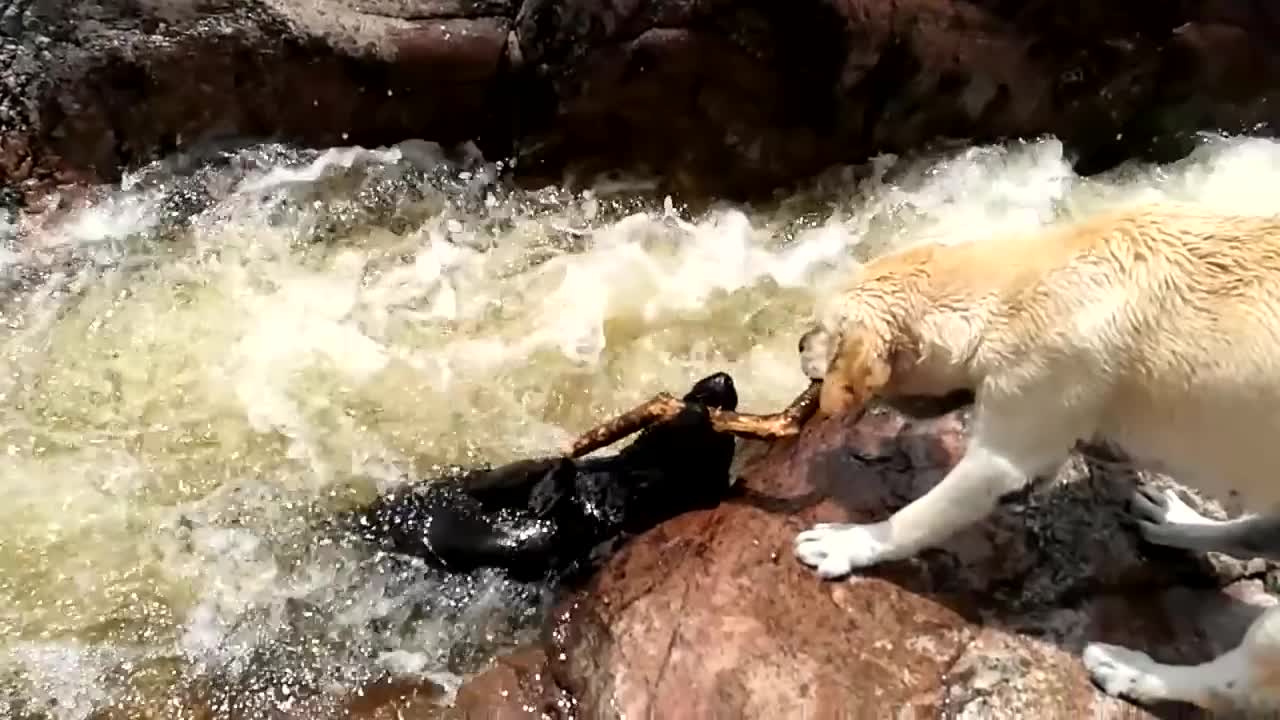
{"x":714,"y":96}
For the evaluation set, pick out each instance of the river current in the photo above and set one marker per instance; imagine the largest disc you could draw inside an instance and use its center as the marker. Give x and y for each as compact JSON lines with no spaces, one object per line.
{"x":200,"y":363}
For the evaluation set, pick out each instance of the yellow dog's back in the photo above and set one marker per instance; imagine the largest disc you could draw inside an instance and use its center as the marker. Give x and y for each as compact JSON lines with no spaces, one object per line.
{"x":1159,"y":325}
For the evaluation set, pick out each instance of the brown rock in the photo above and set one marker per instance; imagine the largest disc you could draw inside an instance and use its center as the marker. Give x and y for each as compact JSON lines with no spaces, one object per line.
{"x":518,"y":686}
{"x":101,"y":86}
{"x":710,"y":616}
{"x":757,"y":93}
{"x":715,"y":97}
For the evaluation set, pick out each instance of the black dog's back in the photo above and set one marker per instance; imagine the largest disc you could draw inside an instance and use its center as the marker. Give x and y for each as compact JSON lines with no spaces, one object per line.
{"x":509,"y":516}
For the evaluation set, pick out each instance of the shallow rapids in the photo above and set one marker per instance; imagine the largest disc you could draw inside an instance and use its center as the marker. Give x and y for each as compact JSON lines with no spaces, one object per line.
{"x":199,"y":364}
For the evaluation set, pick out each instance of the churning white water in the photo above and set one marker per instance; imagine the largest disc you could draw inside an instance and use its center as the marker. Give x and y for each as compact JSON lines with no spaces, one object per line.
{"x":199,"y":364}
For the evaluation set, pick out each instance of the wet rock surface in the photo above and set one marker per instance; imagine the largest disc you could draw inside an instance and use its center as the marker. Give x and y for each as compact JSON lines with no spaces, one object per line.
{"x":90,"y":88}
{"x":714,"y":96}
{"x":709,"y":615}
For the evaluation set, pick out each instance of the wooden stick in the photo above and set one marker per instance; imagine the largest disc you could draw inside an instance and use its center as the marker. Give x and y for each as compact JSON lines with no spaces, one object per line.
{"x":770,"y":427}
{"x":665,"y":407}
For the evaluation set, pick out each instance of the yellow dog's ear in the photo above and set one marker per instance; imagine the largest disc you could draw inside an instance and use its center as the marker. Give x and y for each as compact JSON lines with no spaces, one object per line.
{"x":860,"y":369}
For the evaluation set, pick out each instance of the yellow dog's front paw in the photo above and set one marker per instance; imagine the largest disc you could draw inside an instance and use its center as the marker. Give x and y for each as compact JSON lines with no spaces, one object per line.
{"x":837,"y":549}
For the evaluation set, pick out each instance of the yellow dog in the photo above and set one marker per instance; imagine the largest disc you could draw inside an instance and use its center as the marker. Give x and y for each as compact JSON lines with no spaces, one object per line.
{"x":1156,"y":328}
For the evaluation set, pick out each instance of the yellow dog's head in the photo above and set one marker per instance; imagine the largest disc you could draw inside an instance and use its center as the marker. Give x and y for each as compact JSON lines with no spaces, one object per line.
{"x":853,"y":364}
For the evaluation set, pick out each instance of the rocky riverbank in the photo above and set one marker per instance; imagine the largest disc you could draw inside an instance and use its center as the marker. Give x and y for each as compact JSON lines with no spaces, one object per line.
{"x":713,"y":97}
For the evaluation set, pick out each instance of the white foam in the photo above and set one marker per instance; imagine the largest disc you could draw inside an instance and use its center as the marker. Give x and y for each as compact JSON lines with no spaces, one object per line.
{"x":65,"y":680}
{"x":116,"y":218}
{"x":344,"y":157}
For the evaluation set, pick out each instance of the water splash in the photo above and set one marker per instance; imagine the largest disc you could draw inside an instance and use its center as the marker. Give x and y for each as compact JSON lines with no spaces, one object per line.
{"x":200,"y":362}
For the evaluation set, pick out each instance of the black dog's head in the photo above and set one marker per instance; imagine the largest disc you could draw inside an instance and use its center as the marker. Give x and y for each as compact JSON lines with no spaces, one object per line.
{"x":690,"y":456}
{"x":716,"y":391}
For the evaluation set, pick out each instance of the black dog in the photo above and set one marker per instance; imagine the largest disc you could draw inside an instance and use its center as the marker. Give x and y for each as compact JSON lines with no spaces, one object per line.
{"x":548,"y":516}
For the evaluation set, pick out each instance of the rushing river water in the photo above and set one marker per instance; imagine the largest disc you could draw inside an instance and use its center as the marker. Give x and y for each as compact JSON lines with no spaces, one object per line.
{"x":200,"y":363}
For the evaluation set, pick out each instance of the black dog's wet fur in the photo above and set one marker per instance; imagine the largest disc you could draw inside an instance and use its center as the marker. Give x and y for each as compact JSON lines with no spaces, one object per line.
{"x":547,"y":516}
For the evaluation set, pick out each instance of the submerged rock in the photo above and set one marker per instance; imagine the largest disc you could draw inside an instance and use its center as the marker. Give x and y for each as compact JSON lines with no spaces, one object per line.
{"x":716,"y":97}
{"x":516,"y":687}
{"x":709,"y":615}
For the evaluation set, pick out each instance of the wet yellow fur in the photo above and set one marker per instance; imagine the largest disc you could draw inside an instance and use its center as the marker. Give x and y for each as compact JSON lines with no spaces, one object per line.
{"x":1155,"y":327}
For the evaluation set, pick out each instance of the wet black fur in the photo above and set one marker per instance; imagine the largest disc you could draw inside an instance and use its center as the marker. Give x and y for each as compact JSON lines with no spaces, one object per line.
{"x":548,"y":516}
